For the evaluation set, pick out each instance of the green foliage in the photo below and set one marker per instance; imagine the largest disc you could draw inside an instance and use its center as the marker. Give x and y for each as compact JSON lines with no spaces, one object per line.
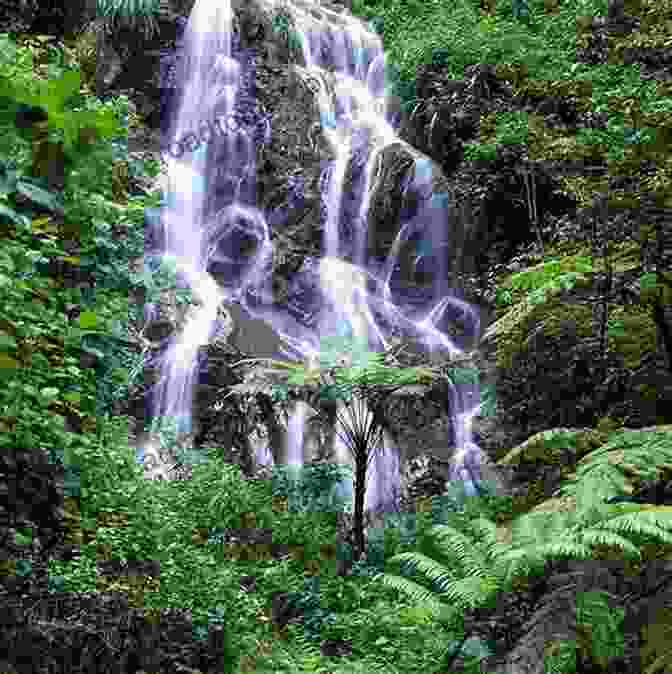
{"x":466,"y":564}
{"x":52,"y":96}
{"x":604,"y":625}
{"x":14,"y":184}
{"x":480,"y":151}
{"x":518,"y":31}
{"x":311,"y":490}
{"x":616,"y":137}
{"x":82,"y":131}
{"x":598,"y":476}
{"x":315,"y":617}
{"x":138,"y":14}
{"x":43,"y":380}
{"x":548,"y":276}
{"x":512,"y":128}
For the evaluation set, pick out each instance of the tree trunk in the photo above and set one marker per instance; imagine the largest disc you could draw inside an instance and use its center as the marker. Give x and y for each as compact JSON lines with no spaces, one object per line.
{"x":664,"y":330}
{"x":361,"y":458}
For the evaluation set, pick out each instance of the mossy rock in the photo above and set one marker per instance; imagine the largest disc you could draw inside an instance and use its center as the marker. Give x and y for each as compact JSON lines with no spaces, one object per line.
{"x":637,"y":336}
{"x":550,"y":446}
{"x":634,"y":337}
{"x":563,"y":447}
{"x":511,"y":332}
{"x":547,"y":448}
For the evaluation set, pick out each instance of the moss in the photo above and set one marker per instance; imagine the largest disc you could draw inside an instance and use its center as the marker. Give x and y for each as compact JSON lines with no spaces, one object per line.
{"x":515,"y":327}
{"x":549,"y":448}
{"x":546,"y":446}
{"x":637,"y":335}
{"x":607,"y":425}
{"x":626,"y":256}
{"x":648,"y":392}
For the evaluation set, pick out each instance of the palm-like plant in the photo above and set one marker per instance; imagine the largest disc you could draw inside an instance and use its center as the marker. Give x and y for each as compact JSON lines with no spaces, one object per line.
{"x":346,"y":367}
{"x":135,"y":14}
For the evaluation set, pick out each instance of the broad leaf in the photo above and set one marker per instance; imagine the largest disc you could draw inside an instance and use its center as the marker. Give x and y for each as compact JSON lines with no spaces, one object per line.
{"x":40,"y":196}
{"x":11,"y":214}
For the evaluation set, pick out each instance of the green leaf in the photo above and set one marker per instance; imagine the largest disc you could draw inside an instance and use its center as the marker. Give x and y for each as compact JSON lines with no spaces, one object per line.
{"x":7,"y":342}
{"x":87,"y":320}
{"x":23,"y":537}
{"x":49,"y":392}
{"x":41,"y":197}
{"x":648,"y":281}
{"x":53,"y":94}
{"x":8,"y":179}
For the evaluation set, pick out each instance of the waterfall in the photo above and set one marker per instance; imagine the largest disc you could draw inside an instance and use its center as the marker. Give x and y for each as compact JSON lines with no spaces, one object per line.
{"x":345,"y":58}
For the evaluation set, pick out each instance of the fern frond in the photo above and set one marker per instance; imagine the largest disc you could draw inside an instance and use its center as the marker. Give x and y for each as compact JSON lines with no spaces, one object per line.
{"x":601,"y":473}
{"x":535,"y":527}
{"x":651,"y":523}
{"x":453,"y":544}
{"x":473,"y":591}
{"x":603,"y":537}
{"x":414,"y":591}
{"x":485,"y":531}
{"x":519,"y":563}
{"x":440,"y":575}
{"x":564,"y":548}
{"x":601,"y":625}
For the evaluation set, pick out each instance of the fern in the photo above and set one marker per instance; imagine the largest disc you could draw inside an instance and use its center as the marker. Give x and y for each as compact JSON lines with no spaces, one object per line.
{"x":546,"y":277}
{"x":480,"y":566}
{"x":137,"y":14}
{"x":349,"y":363}
{"x":601,"y":473}
{"x":602,"y":626}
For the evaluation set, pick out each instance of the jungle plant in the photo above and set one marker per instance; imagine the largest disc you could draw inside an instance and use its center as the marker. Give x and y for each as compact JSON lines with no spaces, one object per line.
{"x":368,"y":377}
{"x":137,"y":14}
{"x":480,"y":151}
{"x":14,"y":184}
{"x":463,"y":563}
{"x":52,"y":96}
{"x":512,"y":128}
{"x":62,"y":138}
{"x":281,"y":25}
{"x":548,"y":276}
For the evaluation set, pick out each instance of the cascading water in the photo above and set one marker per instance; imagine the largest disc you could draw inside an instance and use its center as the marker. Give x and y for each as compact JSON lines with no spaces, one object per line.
{"x":346,"y":61}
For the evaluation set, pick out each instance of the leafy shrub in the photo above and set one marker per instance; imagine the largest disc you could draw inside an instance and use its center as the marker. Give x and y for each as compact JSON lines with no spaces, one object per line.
{"x":553,"y":274}
{"x":313,"y":489}
{"x":136,"y":14}
{"x":480,"y":151}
